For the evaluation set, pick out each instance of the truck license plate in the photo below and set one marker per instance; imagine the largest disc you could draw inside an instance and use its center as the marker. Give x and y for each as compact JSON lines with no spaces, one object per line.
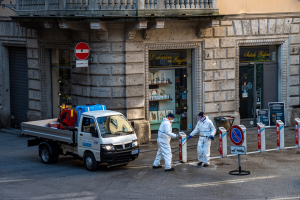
{"x":134,"y":152}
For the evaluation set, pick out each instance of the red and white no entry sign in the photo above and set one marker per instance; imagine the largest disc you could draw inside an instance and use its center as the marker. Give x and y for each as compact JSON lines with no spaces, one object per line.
{"x":82,"y":51}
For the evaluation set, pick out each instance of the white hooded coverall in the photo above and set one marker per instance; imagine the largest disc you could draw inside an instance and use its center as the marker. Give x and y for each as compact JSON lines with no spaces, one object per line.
{"x":163,"y":142}
{"x":205,"y":129}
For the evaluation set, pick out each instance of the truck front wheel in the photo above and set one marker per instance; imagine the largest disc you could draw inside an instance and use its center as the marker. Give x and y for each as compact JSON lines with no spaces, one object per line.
{"x":46,"y":156}
{"x":90,"y":162}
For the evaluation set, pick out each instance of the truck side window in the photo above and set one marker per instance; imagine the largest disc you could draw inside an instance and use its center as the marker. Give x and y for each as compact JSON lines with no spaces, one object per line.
{"x":87,"y":123}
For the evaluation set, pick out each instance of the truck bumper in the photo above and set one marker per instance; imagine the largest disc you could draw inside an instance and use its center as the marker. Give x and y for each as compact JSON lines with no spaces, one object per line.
{"x":120,"y":156}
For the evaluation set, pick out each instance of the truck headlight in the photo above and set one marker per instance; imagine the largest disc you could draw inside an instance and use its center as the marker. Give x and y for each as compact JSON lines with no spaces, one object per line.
{"x":108,"y":147}
{"x":135,"y":143}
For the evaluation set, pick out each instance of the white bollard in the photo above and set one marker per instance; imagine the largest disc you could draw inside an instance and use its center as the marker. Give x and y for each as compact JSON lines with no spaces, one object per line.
{"x":182,"y":147}
{"x":261,"y":137}
{"x":297,"y":122}
{"x":223,"y":142}
{"x":280,"y":134}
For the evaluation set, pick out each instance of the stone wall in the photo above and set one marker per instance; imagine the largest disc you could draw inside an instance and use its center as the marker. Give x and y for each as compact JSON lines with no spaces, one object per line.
{"x":293,"y":72}
{"x":115,"y":77}
{"x":221,"y":54}
{"x":34,"y":77}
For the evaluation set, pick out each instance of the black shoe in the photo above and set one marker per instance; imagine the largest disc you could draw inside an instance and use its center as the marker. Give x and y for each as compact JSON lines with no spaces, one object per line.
{"x":156,"y":167}
{"x":169,"y":170}
{"x":200,"y":163}
{"x":205,"y":165}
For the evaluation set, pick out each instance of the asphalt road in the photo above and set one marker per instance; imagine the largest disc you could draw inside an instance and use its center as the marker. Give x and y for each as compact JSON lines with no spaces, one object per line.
{"x":274,"y":174}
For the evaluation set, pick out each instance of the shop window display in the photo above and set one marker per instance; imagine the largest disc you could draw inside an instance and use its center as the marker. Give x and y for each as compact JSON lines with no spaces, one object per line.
{"x":170,"y":88}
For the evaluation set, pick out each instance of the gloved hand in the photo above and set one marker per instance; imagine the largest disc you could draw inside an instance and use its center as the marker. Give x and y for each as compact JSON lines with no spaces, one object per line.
{"x":189,"y":137}
{"x":211,"y":137}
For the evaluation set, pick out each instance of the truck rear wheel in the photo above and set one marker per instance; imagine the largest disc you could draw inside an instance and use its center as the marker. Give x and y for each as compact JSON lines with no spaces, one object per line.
{"x":90,"y":162}
{"x":46,"y":156}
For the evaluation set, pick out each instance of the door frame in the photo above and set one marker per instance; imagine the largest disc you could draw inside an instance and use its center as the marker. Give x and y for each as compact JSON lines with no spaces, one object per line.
{"x":282,"y":59}
{"x":5,"y":113}
{"x":197,"y":96}
{"x":254,"y":84}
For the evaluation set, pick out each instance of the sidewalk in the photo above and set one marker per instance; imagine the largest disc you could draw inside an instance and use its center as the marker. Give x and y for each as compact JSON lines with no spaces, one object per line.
{"x":252,"y":146}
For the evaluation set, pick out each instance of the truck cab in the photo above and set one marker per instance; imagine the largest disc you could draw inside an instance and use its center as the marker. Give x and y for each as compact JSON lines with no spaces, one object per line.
{"x":108,"y":136}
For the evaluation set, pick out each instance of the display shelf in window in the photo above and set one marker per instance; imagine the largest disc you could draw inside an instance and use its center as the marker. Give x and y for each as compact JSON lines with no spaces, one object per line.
{"x":162,"y":100}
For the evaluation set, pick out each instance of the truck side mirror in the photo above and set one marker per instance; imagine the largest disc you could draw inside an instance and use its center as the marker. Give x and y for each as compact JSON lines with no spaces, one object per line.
{"x":132,"y":124}
{"x":93,"y":131}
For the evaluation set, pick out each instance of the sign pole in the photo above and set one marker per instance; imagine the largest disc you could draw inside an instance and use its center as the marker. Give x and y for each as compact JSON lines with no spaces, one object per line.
{"x":238,"y":137}
{"x":240,"y":168}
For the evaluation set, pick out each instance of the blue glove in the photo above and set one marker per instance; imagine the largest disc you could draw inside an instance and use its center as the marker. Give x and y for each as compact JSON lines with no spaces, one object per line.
{"x":189,"y":137}
{"x":211,"y":137}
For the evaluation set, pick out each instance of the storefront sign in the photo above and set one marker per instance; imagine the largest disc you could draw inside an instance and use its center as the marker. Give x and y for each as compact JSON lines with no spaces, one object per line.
{"x":258,"y":54}
{"x":263,"y":117}
{"x":175,"y":58}
{"x":276,"y":112}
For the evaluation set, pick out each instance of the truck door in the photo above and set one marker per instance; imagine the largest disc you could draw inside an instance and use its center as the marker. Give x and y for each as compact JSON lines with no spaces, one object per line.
{"x":88,"y":138}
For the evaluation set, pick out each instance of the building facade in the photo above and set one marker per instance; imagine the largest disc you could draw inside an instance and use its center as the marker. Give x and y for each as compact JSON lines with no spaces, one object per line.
{"x":149,"y":58}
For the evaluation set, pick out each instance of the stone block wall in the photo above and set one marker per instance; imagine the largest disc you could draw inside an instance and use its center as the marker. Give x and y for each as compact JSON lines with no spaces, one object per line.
{"x":34,"y":77}
{"x":114,"y":78}
{"x":220,"y":65}
{"x":293,"y":72}
{"x":219,"y":71}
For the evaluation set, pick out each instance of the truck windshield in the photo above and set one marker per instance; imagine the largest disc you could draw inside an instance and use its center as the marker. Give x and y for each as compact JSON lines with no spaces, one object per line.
{"x":115,"y":124}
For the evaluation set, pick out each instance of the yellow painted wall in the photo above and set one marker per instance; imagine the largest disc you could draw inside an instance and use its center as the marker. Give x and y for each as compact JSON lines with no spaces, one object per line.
{"x":258,"y":6}
{"x":6,"y":11}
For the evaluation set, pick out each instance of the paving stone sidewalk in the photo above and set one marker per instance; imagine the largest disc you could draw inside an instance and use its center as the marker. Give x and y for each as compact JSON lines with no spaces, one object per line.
{"x":274,"y":174}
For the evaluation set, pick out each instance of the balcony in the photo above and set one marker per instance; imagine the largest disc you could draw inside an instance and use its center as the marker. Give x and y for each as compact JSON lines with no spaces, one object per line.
{"x":115,"y":8}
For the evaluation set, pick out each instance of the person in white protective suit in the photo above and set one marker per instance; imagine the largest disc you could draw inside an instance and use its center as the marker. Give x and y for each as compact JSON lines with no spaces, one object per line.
{"x":206,"y":131}
{"x":163,"y":141}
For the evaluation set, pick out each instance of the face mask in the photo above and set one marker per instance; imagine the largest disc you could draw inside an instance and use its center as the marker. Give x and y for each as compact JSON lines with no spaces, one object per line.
{"x":171,"y":120}
{"x":202,"y":119}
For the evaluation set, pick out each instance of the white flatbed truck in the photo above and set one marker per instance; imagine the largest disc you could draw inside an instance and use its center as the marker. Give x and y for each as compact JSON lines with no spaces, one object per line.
{"x":101,"y":137}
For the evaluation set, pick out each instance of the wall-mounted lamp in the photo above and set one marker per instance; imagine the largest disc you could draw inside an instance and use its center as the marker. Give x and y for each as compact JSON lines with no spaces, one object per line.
{"x":91,"y":59}
{"x":59,"y":94}
{"x":59,"y":80}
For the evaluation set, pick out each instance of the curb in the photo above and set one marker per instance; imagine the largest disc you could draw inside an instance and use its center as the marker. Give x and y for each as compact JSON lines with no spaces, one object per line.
{"x":11,"y":130}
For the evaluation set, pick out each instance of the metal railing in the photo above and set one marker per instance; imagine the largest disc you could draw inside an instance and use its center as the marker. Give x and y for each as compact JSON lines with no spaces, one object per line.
{"x":75,"y":4}
{"x":179,"y":4}
{"x":115,"y":7}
